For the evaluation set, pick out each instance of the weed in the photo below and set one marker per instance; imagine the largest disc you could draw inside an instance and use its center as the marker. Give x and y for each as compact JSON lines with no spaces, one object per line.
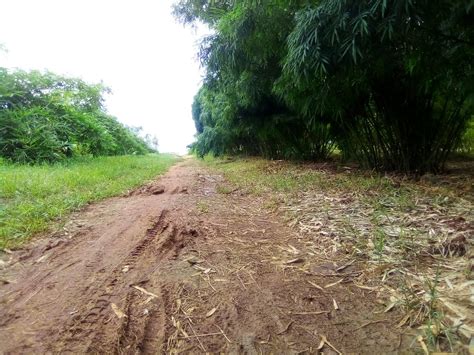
{"x":423,"y":309}
{"x":379,"y":241}
{"x":224,"y":189}
{"x":202,"y":207}
{"x":353,"y":233}
{"x":272,"y":203}
{"x":435,"y":330}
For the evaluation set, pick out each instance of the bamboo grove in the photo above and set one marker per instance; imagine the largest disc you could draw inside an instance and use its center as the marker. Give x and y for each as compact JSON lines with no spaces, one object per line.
{"x":387,"y":83}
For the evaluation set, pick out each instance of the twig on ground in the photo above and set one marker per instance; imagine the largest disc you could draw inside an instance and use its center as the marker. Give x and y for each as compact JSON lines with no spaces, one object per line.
{"x":315,"y":285}
{"x":225,"y":336}
{"x":345,"y":266}
{"x":308,"y":313}
{"x":333,"y":284}
{"x":243,"y":285}
{"x":286,"y":328}
{"x":209,"y":282}
{"x":197,"y":337}
{"x":250,"y":275}
{"x":372,"y":322}
{"x":145,"y":291}
{"x":324,"y":340}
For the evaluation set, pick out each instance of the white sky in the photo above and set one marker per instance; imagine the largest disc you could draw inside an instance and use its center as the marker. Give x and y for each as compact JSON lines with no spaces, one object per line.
{"x":135,"y":47}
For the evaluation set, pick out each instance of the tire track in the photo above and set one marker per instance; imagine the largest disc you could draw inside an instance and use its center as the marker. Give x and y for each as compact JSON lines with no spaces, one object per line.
{"x":88,"y":327}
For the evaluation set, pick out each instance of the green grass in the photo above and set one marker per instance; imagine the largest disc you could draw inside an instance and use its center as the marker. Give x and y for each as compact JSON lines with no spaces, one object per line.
{"x":34,"y":197}
{"x":259,"y":176}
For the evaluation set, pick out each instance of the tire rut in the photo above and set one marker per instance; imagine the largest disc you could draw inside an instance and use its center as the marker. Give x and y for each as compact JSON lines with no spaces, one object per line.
{"x":89,"y":327}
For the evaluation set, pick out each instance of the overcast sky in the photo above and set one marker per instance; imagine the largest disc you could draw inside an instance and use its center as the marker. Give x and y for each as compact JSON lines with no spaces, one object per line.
{"x":134,"y":46}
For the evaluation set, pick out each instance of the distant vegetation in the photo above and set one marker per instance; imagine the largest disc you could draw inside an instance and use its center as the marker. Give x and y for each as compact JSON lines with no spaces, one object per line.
{"x":45,"y":117}
{"x":389,"y":83}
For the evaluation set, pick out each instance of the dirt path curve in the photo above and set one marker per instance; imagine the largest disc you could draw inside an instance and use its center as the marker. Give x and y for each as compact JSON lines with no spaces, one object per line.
{"x":197,"y":267}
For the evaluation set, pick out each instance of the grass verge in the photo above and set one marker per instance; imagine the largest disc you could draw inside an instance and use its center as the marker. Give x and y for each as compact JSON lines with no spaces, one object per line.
{"x":32,"y":197}
{"x":413,"y":237}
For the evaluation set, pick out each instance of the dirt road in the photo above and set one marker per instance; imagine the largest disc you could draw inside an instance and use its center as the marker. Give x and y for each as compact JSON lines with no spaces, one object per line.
{"x":184,"y":265}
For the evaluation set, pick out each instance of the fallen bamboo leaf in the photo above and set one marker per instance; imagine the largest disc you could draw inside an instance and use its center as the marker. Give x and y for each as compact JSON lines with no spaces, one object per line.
{"x":203,"y":269}
{"x":390,"y":306}
{"x":145,"y":291}
{"x":345,"y":266}
{"x":366,"y":287}
{"x":293,"y":249}
{"x":419,"y":338}
{"x":117,"y":311}
{"x":315,"y":285}
{"x":324,"y":340}
{"x":450,"y":285}
{"x":333,"y":284}
{"x":404,"y":320}
{"x":295,"y":261}
{"x":321,"y":343}
{"x":198,"y":335}
{"x":211,"y":312}
{"x":42,"y":259}
{"x":189,"y":311}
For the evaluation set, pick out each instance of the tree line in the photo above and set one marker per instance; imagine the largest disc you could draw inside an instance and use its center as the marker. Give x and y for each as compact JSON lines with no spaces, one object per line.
{"x":387,"y":83}
{"x":46,"y":117}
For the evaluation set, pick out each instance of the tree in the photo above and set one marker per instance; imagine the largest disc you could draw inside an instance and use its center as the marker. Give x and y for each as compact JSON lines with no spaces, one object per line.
{"x":394,"y":78}
{"x":389,"y":82}
{"x":237,"y":110}
{"x":46,"y":117}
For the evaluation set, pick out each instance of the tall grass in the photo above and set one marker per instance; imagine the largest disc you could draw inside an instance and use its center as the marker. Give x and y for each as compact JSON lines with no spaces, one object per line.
{"x":32,"y":197}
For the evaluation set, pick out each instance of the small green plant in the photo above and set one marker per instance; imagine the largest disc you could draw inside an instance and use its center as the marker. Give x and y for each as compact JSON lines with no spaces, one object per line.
{"x":379,"y":241}
{"x":272,"y":203}
{"x":436,"y":332}
{"x":202,"y":207}
{"x":353,"y":233}
{"x":422,"y":307}
{"x":403,"y":241}
{"x":224,"y":189}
